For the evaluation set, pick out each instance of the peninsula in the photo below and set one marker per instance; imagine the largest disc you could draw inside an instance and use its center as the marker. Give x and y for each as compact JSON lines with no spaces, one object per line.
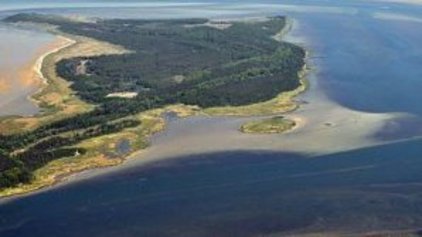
{"x":102,"y":103}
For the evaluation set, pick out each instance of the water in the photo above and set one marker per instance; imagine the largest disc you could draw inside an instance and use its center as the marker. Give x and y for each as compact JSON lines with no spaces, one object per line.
{"x":379,"y":42}
{"x":233,"y":194}
{"x":368,"y":57}
{"x":19,"y":49}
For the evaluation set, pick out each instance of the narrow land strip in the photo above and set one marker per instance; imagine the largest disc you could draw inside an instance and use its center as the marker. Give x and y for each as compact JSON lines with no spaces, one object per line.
{"x":59,"y":101}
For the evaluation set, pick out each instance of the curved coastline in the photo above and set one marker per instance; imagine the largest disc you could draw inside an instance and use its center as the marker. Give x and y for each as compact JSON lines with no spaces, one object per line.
{"x":20,"y":47}
{"x":40,"y":61}
{"x":320,"y":123}
{"x":12,"y":124}
{"x":284,"y":99}
{"x":55,"y":96}
{"x":320,"y":118}
{"x":332,"y":175}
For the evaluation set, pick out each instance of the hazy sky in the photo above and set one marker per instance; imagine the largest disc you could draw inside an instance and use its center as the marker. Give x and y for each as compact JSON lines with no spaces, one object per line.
{"x":21,"y":4}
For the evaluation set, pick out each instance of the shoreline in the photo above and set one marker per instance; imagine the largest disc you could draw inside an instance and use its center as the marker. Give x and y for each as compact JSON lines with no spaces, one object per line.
{"x":320,"y":123}
{"x":318,"y":120}
{"x":284,"y":99}
{"x":39,"y":65}
{"x":55,"y":95}
{"x":40,"y":61}
{"x":16,"y":123}
{"x":54,"y":92}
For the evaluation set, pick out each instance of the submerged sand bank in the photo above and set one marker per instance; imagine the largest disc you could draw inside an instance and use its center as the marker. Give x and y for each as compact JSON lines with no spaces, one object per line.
{"x":55,"y":95}
{"x":323,"y":127}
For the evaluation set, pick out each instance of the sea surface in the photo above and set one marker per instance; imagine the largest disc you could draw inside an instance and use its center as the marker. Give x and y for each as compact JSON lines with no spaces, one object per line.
{"x":366,"y":55}
{"x":19,"y":49}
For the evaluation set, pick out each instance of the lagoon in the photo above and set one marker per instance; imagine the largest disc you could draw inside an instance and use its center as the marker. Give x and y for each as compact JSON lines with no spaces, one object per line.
{"x":366,"y":57}
{"x":19,"y":50}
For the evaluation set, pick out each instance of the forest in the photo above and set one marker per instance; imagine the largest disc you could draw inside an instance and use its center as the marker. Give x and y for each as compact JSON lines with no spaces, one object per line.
{"x":188,"y":61}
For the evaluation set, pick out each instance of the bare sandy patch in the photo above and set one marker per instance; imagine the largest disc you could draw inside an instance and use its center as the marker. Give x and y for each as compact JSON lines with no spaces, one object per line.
{"x":125,"y":95}
{"x":322,"y":127}
{"x":81,"y":68}
{"x":178,"y":78}
{"x":221,"y":25}
{"x":217,"y":24}
{"x":54,"y":91}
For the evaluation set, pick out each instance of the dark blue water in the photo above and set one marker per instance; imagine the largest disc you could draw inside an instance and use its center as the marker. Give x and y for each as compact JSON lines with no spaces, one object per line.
{"x":380,"y":70}
{"x":364,"y":62}
{"x":234,"y":194}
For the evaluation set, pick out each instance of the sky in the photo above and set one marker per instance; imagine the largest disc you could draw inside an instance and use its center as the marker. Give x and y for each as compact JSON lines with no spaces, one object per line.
{"x":22,"y":4}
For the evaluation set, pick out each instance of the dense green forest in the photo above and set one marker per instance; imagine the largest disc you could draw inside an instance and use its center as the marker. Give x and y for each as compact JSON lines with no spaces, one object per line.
{"x":172,"y":61}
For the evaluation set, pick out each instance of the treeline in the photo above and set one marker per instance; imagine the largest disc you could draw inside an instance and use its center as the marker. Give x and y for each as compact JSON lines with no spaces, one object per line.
{"x":212,"y":63}
{"x":173,"y":61}
{"x":18,"y":168}
{"x":80,"y":122}
{"x":103,"y":129}
{"x":13,"y":171}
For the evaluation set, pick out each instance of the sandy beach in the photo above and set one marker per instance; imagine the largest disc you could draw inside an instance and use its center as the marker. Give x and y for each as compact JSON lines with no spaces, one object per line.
{"x":27,"y":80}
{"x":349,"y":167}
{"x":54,"y":91}
{"x":35,"y":73}
{"x":323,"y":127}
{"x":60,"y":43}
{"x":320,"y":121}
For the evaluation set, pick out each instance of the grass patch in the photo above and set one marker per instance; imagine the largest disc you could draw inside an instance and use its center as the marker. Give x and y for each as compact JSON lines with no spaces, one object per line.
{"x":97,"y":149}
{"x":242,"y":83}
{"x":276,"y":124}
{"x":55,"y":98}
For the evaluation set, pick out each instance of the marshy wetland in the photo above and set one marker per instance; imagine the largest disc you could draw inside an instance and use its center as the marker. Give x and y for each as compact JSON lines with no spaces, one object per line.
{"x":350,"y":167}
